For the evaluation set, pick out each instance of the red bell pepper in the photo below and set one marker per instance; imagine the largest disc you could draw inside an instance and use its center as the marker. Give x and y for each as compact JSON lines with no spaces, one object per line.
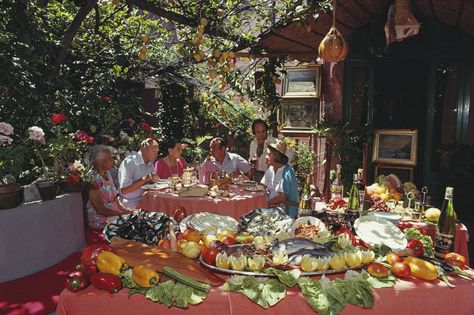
{"x":349,"y":235}
{"x":76,"y":281}
{"x":106,"y":281}
{"x":402,"y":225}
{"x":416,"y":246}
{"x":89,"y":254}
{"x":87,"y":270}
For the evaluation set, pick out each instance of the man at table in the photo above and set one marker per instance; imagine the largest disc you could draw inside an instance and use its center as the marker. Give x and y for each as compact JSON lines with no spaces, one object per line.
{"x":137,"y":170}
{"x":221,"y":160}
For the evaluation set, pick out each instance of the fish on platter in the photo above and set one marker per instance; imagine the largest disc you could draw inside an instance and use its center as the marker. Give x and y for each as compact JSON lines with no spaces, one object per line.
{"x":295,"y":244}
{"x":295,"y":259}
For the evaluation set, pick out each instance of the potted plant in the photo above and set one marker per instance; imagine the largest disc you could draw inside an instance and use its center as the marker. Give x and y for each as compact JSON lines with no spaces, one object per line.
{"x":73,"y":179}
{"x":12,"y":154}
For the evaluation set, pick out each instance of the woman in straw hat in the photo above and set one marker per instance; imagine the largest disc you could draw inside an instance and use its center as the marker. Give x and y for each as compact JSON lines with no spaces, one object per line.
{"x":280,"y":179}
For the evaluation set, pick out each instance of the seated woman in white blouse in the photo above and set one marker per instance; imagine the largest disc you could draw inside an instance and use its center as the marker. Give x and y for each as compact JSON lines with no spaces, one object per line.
{"x":280,"y":179}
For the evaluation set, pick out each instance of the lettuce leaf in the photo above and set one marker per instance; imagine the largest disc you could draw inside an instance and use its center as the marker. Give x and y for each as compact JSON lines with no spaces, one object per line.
{"x":287,"y":277}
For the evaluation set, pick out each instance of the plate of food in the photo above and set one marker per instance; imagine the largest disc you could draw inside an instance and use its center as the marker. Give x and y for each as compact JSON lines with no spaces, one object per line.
{"x":203,"y":221}
{"x":375,"y":230}
{"x":265,"y":221}
{"x":307,"y":227}
{"x":245,"y":182}
{"x":255,"y":188}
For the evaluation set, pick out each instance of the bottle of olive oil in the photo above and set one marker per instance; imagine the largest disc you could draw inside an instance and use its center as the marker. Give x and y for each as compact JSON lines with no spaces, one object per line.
{"x":446,"y":227}
{"x":305,"y":198}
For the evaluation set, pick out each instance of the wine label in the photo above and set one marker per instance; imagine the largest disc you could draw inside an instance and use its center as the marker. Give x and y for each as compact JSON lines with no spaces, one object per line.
{"x":444,"y":244}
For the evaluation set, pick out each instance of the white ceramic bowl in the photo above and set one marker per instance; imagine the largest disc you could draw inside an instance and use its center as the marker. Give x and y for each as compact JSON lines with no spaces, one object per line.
{"x":303,"y":220}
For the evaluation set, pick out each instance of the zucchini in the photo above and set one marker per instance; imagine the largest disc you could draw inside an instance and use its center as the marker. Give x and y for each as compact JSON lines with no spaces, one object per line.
{"x":170,"y":272}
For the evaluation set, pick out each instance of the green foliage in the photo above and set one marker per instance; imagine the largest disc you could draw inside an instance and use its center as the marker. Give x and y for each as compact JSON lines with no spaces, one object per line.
{"x":304,"y":162}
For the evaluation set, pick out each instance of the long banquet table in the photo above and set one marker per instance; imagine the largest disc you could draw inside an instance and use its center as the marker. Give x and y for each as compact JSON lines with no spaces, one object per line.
{"x":237,"y":204}
{"x":407,"y":297}
{"x":36,"y":235}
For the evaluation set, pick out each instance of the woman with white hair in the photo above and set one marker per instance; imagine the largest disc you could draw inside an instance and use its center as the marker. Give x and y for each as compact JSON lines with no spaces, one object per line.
{"x":103,"y":195}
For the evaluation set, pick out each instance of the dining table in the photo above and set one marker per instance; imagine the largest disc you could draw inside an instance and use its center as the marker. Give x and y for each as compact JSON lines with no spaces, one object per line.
{"x":240,"y":201}
{"x":410,"y":296}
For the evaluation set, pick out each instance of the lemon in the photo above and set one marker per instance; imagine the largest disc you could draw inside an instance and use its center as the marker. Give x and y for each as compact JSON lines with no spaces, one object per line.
{"x":337,"y":262}
{"x":308,"y":263}
{"x":323,"y":263}
{"x":238,"y":263}
{"x":256,"y":263}
{"x":367,"y":256}
{"x":354,"y":259}
{"x":222,"y":261}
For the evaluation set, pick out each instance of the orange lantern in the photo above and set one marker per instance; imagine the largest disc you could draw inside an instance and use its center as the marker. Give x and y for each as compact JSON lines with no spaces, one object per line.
{"x":333,"y":47}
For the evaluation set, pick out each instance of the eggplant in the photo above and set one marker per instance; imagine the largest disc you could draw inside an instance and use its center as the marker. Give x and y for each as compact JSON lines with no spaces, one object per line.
{"x":442,"y":264}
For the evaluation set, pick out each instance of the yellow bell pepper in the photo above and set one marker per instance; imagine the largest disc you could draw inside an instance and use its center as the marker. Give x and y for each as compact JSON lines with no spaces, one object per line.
{"x":421,"y":268}
{"x":145,"y":277}
{"x":108,"y":262}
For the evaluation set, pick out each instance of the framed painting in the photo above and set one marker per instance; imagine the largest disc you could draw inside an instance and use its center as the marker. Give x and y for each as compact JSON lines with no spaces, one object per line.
{"x":404,"y":173}
{"x":395,"y":146}
{"x":302,"y":81}
{"x":299,"y":113}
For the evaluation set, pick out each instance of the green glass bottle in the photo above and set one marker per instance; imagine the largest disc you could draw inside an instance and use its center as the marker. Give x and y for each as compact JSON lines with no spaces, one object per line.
{"x":353,"y":205}
{"x":446,"y":227}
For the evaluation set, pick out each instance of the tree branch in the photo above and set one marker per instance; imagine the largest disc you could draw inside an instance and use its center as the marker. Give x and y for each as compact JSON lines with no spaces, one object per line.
{"x":72,"y":30}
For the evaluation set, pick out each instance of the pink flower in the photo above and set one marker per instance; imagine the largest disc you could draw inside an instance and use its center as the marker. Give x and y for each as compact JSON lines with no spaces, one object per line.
{"x":36,"y":134}
{"x":6,"y":128}
{"x":5,"y":139}
{"x":58,"y":118}
{"x":80,"y":135}
{"x":106,"y":99}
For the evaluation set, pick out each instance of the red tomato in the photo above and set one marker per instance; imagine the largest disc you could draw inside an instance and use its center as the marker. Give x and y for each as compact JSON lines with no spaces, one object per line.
{"x":401,"y":269}
{"x":209,"y":255}
{"x":455,"y":259}
{"x":377,"y":270}
{"x":393,"y":258}
{"x":229,"y":240}
{"x":417,"y":247}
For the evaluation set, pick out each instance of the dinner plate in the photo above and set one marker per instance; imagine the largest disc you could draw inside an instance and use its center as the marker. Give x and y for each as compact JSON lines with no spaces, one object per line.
{"x":303,"y":220}
{"x":255,"y":188}
{"x":375,"y":230}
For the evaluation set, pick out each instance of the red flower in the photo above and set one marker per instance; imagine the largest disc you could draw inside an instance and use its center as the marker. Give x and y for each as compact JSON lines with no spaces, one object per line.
{"x":145,"y":126}
{"x":58,"y":118}
{"x":73,"y":179}
{"x":106,"y":99}
{"x":82,"y":136}
{"x":217,"y":126}
{"x":89,"y":139}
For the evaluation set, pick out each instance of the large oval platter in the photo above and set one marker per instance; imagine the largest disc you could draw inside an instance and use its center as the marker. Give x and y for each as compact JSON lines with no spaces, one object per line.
{"x":261,"y":274}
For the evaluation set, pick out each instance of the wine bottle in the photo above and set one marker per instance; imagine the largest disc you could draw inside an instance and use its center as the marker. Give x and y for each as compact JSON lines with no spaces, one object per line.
{"x":361,"y":188}
{"x":305,"y":198}
{"x":446,"y":227}
{"x":337,"y":187}
{"x":353,"y":205}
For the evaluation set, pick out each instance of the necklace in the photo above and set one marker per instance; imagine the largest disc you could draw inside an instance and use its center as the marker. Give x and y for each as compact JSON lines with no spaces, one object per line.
{"x":169,"y":166}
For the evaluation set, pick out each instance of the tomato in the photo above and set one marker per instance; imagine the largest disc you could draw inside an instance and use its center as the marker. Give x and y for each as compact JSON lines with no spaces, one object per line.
{"x":455,"y":259}
{"x":229,"y":240}
{"x":392,"y":258}
{"x":164,"y":244}
{"x":191,"y":236}
{"x":417,"y":247}
{"x":179,"y":214}
{"x":401,"y":269}
{"x":209,"y":255}
{"x":377,"y":270}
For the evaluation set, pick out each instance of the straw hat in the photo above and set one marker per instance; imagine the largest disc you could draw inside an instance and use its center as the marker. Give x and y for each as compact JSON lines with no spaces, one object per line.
{"x":279,"y":145}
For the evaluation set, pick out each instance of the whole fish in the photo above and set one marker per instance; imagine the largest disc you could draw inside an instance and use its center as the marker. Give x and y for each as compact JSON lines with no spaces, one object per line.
{"x":296,"y":244}
{"x":295,"y":259}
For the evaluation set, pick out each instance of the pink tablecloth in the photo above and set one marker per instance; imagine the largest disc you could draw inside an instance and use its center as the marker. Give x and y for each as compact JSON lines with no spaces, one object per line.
{"x":407,"y":297}
{"x":239,"y":203}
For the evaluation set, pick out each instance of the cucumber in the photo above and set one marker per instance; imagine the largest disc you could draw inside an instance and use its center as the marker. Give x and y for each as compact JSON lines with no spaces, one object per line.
{"x":170,"y":272}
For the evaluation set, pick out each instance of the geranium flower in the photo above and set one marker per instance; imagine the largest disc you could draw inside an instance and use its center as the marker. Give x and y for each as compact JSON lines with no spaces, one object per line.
{"x":106,"y":99}
{"x":58,"y":118}
{"x":36,"y":134}
{"x":80,"y":135}
{"x":6,"y":128}
{"x":145,"y":126}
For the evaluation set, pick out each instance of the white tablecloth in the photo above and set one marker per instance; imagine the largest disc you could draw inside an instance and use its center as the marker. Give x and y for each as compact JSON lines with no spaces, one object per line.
{"x":39,"y":234}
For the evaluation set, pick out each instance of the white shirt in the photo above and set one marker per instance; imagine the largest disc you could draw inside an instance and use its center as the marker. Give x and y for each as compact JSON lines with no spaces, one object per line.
{"x":273,"y":181}
{"x":232,"y":162}
{"x":261,"y":160}
{"x":132,"y":168}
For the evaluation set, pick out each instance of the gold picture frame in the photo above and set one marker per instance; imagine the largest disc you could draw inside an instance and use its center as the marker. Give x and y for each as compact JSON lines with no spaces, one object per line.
{"x":395,"y":146}
{"x":302,"y":81}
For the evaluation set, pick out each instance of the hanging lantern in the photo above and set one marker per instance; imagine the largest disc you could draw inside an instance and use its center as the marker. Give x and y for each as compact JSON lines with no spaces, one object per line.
{"x":333,"y":47}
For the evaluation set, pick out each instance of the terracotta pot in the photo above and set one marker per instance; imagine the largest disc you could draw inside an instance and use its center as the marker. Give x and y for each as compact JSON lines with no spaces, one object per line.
{"x":11,"y":195}
{"x":47,"y":189}
{"x":72,"y":186}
